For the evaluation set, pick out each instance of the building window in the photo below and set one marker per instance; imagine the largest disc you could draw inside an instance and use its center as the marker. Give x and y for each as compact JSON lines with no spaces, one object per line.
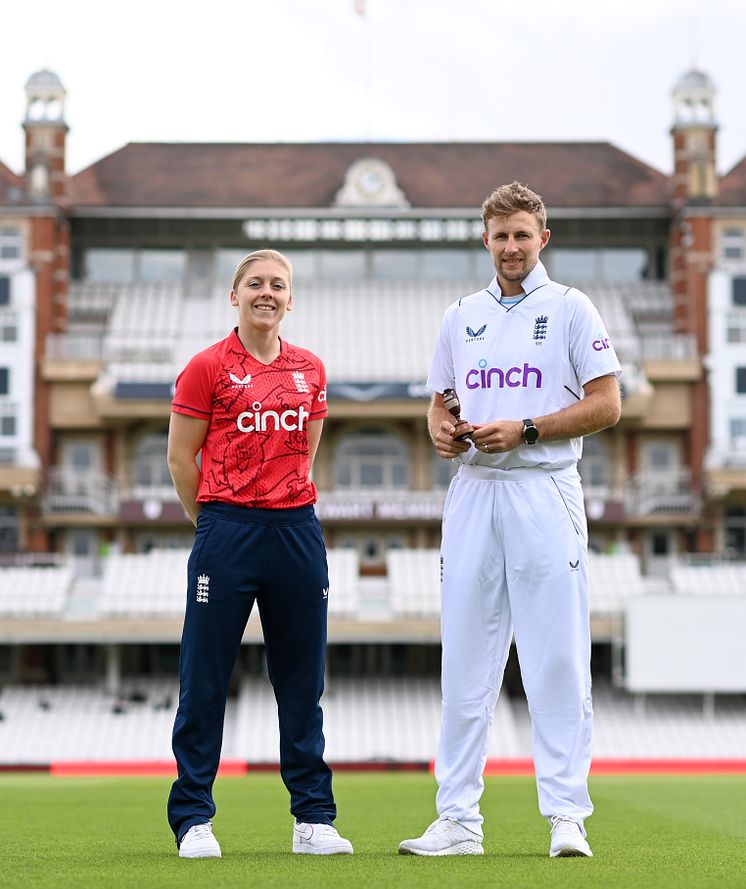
{"x":739,"y":291}
{"x":4,"y":380}
{"x":371,"y":458}
{"x":597,"y":264}
{"x":7,"y":425}
{"x":342,"y":265}
{"x":10,"y":242}
{"x":741,"y":380}
{"x":443,"y":471}
{"x":4,"y":291}
{"x":732,"y":243}
{"x":660,"y":457}
{"x":8,"y":332}
{"x":110,"y":266}
{"x":595,"y":466}
{"x":738,"y":433}
{"x":9,"y":529}
{"x":149,"y":466}
{"x":735,"y":532}
{"x":162,"y":266}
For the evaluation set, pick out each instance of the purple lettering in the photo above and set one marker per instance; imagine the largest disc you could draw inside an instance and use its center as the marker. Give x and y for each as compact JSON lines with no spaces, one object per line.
{"x":470,"y":385}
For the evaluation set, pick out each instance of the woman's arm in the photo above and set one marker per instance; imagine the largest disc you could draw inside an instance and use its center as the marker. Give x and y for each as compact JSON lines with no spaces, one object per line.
{"x":185,"y":438}
{"x":314,"y":436}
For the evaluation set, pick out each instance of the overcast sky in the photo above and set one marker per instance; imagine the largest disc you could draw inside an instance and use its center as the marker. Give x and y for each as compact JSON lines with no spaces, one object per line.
{"x":406,"y":70}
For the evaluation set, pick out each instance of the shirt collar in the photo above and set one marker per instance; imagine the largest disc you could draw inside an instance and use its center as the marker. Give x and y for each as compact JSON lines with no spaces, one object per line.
{"x":537,"y":277}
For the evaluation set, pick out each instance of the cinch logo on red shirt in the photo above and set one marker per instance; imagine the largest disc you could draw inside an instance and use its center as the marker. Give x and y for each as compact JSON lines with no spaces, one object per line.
{"x":256,"y":420}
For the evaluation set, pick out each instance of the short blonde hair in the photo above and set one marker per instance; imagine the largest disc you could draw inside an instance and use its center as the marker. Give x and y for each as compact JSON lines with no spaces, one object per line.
{"x":262,"y":256}
{"x":507,"y":199}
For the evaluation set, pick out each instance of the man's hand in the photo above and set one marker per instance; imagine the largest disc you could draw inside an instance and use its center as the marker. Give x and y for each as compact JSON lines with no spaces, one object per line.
{"x":446,"y":445}
{"x":499,"y":436}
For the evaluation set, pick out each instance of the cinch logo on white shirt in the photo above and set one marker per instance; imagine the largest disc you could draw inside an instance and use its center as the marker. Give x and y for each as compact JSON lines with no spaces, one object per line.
{"x":495,"y":377}
{"x":257,"y":420}
{"x":600,"y":345}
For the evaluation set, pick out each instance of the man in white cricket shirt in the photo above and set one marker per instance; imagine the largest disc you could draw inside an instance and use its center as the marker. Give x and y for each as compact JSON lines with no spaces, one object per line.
{"x":535,"y":371}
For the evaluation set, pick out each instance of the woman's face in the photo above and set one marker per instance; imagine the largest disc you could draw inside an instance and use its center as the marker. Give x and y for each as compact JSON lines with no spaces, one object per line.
{"x":263,"y":295}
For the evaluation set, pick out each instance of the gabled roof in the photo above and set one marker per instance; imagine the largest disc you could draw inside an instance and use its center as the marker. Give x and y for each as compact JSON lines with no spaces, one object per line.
{"x":733,"y":186}
{"x":442,"y":175}
{"x":8,"y":183}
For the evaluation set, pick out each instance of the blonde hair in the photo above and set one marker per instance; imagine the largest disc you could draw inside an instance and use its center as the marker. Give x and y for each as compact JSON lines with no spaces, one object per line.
{"x":262,"y":256}
{"x":507,"y":199}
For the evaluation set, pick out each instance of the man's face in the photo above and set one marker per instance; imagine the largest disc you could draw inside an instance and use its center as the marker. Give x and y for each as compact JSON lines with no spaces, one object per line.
{"x":514,"y":243}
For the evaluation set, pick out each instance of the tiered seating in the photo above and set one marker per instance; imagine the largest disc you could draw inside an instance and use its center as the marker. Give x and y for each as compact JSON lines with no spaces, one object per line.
{"x":42,"y":724}
{"x":364,"y":719}
{"x":34,"y":591}
{"x":344,"y":592}
{"x":613,"y":579}
{"x":666,"y":726}
{"x":145,"y":322}
{"x":727,"y":579}
{"x":145,"y":585}
{"x":414,"y":578}
{"x":400,"y":321}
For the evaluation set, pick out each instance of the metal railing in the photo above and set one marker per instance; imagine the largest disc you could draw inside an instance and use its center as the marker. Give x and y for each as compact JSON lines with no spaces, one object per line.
{"x":660,"y":491}
{"x":70,"y":490}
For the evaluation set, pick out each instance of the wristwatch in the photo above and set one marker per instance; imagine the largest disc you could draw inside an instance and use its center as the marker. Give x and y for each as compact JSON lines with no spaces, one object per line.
{"x":530,"y":434}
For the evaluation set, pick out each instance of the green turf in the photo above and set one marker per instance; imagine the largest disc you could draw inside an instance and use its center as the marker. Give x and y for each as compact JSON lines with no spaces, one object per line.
{"x":647,"y":832}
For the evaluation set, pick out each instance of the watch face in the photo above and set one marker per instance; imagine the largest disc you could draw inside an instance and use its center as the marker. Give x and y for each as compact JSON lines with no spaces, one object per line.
{"x":530,"y":434}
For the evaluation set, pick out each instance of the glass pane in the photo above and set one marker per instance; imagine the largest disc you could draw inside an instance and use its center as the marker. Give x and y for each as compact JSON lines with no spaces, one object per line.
{"x":371,"y":475}
{"x":448,"y":265}
{"x":342,"y":264}
{"x":399,"y":475}
{"x":303,"y":263}
{"x":162,"y":265}
{"x":343,"y":475}
{"x":110,"y":266}
{"x":225,"y":266}
{"x":395,"y":264}
{"x":571,"y":264}
{"x":624,"y":265}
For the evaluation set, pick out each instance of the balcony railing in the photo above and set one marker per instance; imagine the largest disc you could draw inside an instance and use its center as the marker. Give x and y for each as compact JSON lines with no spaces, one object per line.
{"x":69,"y":490}
{"x":660,"y":491}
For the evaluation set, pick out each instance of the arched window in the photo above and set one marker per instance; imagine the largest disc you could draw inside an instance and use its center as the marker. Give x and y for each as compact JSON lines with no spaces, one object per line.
{"x":371,"y":458}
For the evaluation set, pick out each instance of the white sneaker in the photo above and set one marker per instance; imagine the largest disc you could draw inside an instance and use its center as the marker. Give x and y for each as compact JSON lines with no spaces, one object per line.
{"x":567,"y":839}
{"x":319,"y":839}
{"x":445,"y":836}
{"x":198,"y":842}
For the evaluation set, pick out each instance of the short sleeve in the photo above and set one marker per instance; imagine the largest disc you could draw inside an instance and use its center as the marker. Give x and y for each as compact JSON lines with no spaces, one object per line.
{"x":442,"y":375}
{"x":194,"y":388}
{"x":318,"y":405}
{"x":591,"y":349}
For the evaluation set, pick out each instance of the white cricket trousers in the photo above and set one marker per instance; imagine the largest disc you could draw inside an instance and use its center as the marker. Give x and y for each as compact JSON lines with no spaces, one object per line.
{"x":514,"y":561}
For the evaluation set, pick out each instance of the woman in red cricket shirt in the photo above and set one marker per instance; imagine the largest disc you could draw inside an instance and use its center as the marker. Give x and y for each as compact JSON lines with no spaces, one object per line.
{"x":254,"y":406}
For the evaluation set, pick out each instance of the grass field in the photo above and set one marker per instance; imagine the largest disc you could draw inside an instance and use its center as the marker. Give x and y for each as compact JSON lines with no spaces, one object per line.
{"x":647,"y":832}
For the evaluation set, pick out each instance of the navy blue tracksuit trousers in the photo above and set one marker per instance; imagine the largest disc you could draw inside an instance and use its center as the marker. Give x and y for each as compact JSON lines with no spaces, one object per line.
{"x":276,"y":558}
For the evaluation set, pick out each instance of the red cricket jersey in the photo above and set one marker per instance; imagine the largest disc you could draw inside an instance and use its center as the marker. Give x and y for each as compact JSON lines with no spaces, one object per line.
{"x":255,"y":453}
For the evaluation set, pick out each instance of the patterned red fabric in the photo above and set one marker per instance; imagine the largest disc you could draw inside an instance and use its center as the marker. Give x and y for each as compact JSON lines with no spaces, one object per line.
{"x":255,"y":453}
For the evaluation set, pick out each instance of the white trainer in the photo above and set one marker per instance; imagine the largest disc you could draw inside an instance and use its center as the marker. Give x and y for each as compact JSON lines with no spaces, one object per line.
{"x":445,"y":836}
{"x":198,"y":842}
{"x":319,"y":839}
{"x":567,"y":839}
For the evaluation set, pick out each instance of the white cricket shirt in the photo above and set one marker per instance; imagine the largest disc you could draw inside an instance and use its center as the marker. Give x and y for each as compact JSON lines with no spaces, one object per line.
{"x":527,"y":360}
